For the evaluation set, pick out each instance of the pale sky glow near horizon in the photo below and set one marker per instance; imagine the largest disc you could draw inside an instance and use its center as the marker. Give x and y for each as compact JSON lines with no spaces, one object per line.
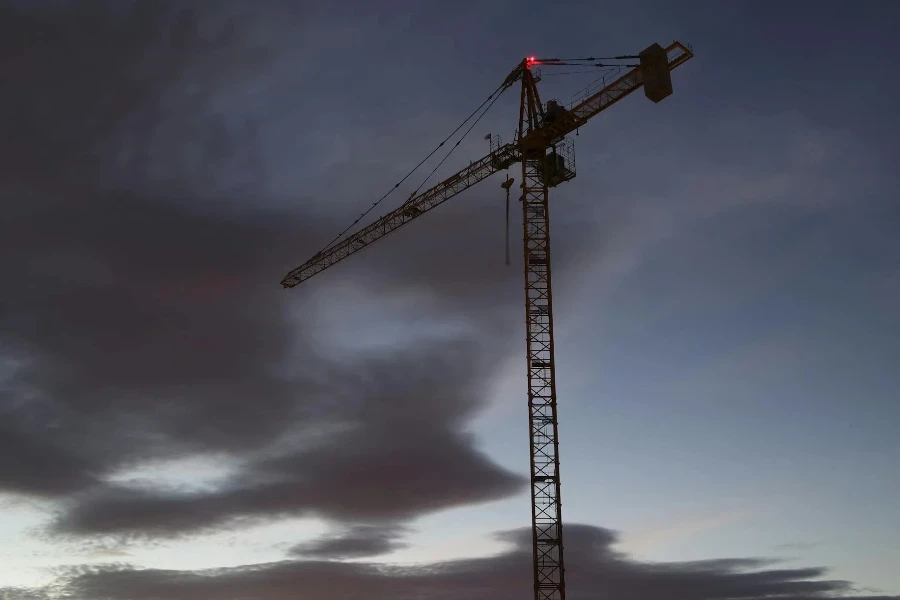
{"x":176,"y":426}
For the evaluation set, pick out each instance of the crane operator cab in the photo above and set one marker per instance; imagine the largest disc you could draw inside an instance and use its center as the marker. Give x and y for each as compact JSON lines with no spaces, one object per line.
{"x":559,"y":163}
{"x":553,"y":112}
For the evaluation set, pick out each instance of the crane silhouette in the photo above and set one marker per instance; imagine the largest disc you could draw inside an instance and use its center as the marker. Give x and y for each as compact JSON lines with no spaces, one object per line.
{"x":546,"y":156}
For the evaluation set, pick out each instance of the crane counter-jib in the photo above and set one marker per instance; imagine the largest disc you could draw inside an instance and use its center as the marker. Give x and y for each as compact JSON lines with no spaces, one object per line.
{"x":567,"y":121}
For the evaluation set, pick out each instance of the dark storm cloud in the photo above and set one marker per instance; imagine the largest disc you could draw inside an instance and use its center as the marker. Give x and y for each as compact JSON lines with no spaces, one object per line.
{"x":49,"y":468}
{"x":90,"y":87}
{"x":594,"y":570}
{"x":398,"y":452}
{"x":356,"y":542}
{"x":145,"y":320}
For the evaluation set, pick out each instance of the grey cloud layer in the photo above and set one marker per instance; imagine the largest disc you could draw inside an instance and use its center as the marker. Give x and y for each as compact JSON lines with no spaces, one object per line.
{"x":355,"y":542}
{"x":146,"y":321}
{"x":595,"y":570}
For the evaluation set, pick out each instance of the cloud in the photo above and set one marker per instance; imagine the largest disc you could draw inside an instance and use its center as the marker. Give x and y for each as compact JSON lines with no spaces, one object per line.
{"x":356,"y":542}
{"x":797,"y":546}
{"x":20,"y":593}
{"x":398,"y":452}
{"x":594,"y":570}
{"x":35,"y":465}
{"x":657,"y":536}
{"x":146,"y":322}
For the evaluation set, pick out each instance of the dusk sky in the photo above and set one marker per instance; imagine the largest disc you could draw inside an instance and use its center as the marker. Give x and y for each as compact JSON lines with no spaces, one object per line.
{"x":174,"y":425}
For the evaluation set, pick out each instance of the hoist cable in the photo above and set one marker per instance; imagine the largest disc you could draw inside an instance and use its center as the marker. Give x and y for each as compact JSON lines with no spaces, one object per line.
{"x":474,"y":123}
{"x":489,"y":101}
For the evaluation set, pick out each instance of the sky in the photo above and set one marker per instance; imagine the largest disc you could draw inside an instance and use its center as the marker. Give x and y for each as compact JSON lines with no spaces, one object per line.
{"x":176,"y":426}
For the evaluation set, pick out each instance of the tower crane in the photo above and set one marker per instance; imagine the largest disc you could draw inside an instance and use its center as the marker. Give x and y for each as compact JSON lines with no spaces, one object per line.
{"x":545,"y":153}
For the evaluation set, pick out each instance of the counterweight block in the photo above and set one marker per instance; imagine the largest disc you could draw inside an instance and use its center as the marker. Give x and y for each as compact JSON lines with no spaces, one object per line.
{"x":656,"y":74}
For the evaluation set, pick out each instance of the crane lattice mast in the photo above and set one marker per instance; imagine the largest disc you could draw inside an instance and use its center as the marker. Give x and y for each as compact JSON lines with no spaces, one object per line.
{"x":546,"y":158}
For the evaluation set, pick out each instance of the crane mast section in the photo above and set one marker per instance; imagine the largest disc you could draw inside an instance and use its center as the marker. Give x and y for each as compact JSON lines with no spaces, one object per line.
{"x":578,"y":115}
{"x":416,"y":206}
{"x":546,"y":500}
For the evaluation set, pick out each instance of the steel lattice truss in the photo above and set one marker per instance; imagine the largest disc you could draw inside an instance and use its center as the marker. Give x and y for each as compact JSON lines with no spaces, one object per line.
{"x":545,"y":491}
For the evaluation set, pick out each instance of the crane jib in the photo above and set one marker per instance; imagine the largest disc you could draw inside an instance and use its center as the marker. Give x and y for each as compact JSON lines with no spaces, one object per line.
{"x":409,"y":210}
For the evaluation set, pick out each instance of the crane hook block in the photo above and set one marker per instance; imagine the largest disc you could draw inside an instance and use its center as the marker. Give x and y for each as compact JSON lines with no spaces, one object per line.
{"x":656,"y":75}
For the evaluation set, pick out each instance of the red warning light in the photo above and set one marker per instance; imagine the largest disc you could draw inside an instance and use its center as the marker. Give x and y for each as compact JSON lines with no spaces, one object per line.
{"x":531,"y":61}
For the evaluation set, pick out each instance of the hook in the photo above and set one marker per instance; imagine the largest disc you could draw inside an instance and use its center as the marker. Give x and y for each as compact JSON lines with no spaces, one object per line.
{"x":506,"y":185}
